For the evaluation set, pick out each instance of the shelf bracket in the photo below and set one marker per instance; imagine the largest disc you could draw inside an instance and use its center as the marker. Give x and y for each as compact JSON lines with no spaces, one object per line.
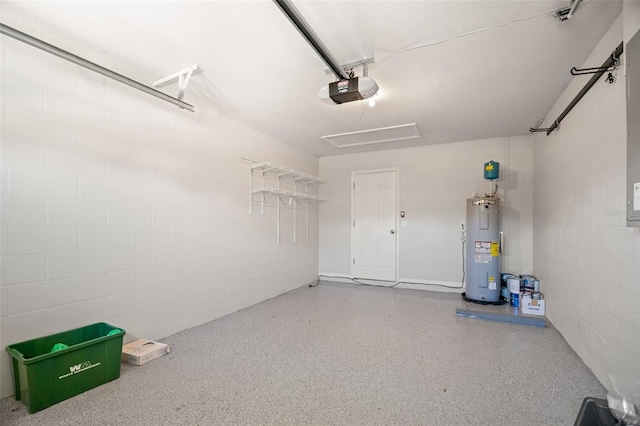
{"x":183,"y":77}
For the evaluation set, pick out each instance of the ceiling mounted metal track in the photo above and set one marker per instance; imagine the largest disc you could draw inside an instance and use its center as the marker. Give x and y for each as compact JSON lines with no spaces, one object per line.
{"x":363,"y":63}
{"x":303,"y":27}
{"x":26,"y":38}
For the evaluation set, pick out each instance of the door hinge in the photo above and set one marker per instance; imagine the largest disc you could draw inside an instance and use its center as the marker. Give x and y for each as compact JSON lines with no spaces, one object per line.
{"x":354,"y":185}
{"x":354,"y":261}
{"x":354,"y":223}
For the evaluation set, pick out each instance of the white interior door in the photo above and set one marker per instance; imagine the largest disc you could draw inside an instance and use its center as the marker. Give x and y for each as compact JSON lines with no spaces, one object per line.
{"x":374,"y":225}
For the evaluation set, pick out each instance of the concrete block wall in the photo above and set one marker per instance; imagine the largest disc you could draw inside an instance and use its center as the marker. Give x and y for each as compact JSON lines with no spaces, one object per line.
{"x":588,"y":261}
{"x":119,"y":207}
{"x":435,"y":181}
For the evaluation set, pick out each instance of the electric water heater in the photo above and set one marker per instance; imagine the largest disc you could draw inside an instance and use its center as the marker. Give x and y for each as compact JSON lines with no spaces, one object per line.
{"x":482,"y":266}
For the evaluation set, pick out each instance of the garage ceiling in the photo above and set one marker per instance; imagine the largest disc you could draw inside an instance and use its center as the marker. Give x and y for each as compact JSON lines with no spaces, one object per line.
{"x":479,"y":69}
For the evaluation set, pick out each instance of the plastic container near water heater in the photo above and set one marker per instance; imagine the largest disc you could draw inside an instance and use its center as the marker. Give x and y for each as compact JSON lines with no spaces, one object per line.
{"x":514,"y":288}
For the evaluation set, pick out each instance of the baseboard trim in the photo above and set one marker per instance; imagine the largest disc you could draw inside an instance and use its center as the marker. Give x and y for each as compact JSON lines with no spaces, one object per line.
{"x":406,"y":283}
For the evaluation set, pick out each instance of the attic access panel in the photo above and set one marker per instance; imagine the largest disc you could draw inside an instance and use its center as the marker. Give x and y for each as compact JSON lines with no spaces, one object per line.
{"x":373,"y":136}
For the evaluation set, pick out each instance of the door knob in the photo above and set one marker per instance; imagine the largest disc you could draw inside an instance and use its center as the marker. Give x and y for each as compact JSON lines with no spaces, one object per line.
{"x":393,"y":232}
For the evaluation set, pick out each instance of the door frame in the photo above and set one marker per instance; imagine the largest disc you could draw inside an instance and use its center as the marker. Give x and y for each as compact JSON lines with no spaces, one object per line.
{"x":397,"y":214}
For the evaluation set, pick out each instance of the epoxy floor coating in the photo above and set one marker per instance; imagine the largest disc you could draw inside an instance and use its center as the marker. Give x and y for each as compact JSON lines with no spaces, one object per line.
{"x":342,"y":354}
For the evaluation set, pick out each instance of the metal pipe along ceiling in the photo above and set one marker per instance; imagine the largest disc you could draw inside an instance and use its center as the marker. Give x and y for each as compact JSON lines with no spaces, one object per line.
{"x":26,"y":38}
{"x":305,"y":30}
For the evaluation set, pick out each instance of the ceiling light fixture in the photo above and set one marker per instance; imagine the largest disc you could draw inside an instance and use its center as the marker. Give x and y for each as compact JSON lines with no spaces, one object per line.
{"x":372,"y":100}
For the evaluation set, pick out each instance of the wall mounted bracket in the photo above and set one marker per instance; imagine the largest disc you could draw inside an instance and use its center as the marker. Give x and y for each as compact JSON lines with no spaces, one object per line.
{"x":566,"y":13}
{"x":183,"y":79}
{"x":610,"y":62}
{"x":556,"y":125}
{"x":583,"y":71}
{"x":347,"y":67}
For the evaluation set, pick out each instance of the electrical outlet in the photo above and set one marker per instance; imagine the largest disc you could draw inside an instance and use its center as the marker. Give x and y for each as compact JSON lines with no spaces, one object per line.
{"x":462,"y":224}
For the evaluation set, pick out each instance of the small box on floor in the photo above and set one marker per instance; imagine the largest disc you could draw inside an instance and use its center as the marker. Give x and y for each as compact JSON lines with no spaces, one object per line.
{"x":142,"y":350}
{"x":531,"y":306}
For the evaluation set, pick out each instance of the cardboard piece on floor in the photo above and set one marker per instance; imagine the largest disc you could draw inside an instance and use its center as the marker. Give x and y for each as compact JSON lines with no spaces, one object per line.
{"x":142,"y":351}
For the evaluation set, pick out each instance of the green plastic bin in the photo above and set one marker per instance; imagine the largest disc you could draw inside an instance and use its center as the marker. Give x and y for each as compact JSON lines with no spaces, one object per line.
{"x":42,"y":377}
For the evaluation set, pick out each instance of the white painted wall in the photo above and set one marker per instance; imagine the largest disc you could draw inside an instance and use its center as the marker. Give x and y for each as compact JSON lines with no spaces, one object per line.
{"x":119,"y":207}
{"x":435,"y":181}
{"x":631,"y":18}
{"x":587,"y":260}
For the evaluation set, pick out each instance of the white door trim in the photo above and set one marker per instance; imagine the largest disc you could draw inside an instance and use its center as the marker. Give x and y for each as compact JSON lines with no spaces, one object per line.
{"x":397,"y":215}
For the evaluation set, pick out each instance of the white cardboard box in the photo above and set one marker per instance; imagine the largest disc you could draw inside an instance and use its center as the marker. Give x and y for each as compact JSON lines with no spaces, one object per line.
{"x":142,"y":350}
{"x":531,"y":306}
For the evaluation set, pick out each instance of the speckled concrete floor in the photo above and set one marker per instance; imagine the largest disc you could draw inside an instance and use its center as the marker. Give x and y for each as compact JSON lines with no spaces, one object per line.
{"x":346,"y":355}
